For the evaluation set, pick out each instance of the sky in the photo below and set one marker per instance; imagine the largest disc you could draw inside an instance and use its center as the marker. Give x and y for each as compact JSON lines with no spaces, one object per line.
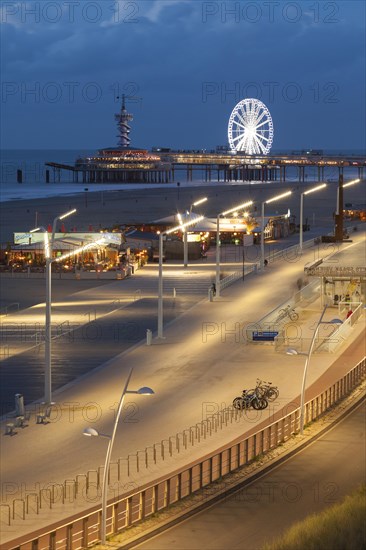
{"x":183,"y":65}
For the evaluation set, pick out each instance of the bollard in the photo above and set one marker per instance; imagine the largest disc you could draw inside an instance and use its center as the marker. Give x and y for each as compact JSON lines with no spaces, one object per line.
{"x":210,"y":295}
{"x":148,"y":337}
{"x":174,"y":293}
{"x":19,"y":404}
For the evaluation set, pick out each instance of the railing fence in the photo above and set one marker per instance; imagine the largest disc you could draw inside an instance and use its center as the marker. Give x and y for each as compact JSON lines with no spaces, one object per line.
{"x":139,"y":503}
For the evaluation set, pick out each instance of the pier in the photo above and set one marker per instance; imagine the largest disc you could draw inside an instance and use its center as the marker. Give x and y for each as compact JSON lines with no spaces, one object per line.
{"x":141,"y":166}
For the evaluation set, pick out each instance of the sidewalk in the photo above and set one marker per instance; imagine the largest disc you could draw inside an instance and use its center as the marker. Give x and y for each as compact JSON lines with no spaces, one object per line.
{"x":201,"y":365}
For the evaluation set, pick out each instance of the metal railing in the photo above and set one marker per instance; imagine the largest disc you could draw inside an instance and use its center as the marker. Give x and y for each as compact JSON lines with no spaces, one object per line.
{"x":5,"y":310}
{"x":139,"y":503}
{"x":341,"y":332}
{"x":273,"y":321}
{"x":291,"y":251}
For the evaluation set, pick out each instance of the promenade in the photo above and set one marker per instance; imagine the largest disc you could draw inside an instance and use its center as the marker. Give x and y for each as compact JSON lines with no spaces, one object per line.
{"x":202,"y":363}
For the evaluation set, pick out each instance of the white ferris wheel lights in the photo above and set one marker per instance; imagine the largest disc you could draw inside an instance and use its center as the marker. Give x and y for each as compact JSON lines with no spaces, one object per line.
{"x":250,"y":128}
{"x":317,"y":188}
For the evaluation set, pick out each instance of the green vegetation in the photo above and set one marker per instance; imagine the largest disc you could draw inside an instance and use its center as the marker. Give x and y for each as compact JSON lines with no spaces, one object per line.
{"x":339,"y":527}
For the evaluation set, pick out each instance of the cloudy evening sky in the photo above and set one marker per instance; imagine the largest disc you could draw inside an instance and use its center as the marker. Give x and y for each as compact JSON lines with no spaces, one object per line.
{"x":64,"y":63}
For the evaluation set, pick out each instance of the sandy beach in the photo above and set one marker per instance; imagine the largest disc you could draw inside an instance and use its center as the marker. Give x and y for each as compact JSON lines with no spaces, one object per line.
{"x":107,"y":208}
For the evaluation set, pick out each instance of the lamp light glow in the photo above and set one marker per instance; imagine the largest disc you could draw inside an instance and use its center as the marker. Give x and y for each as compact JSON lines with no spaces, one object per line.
{"x":317,"y":188}
{"x":351,"y":183}
{"x":278,"y":197}
{"x":238,"y":207}
{"x":63,"y":216}
{"x":187,"y":224}
{"x":200,"y":201}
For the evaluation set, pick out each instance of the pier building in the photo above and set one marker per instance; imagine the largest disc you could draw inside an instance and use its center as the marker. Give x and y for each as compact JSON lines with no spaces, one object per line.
{"x":126,"y":164}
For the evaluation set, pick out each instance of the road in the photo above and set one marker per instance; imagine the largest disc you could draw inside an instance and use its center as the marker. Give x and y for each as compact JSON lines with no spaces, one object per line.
{"x":320,"y":475}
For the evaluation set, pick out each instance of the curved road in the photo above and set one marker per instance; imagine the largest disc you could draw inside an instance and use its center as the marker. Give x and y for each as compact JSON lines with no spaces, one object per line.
{"x":315,"y":478}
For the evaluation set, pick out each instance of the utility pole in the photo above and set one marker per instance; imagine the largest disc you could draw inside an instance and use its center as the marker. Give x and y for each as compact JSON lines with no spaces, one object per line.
{"x":338,"y":230}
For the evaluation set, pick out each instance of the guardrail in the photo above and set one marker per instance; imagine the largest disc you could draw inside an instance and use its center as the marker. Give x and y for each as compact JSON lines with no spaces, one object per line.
{"x":230,"y":279}
{"x":138,"y":503}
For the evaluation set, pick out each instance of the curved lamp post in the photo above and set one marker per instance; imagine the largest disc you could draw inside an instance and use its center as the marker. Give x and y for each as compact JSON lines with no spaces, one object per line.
{"x":185,"y":239}
{"x":92,"y":432}
{"x":277,"y":198}
{"x":160,"y":289}
{"x":352,"y":182}
{"x":48,"y":248}
{"x":292,"y":351}
{"x":317,"y":188}
{"x":234,"y":209}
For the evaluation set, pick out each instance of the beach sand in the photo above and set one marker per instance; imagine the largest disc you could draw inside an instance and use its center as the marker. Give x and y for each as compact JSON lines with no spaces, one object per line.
{"x":106,"y":209}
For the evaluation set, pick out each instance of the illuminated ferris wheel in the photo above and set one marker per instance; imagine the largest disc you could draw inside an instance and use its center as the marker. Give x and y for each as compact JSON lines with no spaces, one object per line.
{"x":250,"y":128}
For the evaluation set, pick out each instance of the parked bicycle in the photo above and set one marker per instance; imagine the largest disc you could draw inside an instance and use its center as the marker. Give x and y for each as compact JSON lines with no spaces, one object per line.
{"x":250,"y":399}
{"x":266,"y":390}
{"x":288,"y":311}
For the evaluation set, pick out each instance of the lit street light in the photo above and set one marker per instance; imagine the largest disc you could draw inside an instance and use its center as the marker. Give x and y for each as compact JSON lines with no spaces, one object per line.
{"x":92,"y":432}
{"x":292,"y":351}
{"x":234,"y":209}
{"x":353,"y":182}
{"x":317,"y":188}
{"x":48,"y":248}
{"x":278,"y":197}
{"x":160,"y":289}
{"x":185,"y":239}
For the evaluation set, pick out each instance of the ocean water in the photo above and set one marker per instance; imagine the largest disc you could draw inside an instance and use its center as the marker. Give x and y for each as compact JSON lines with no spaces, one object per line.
{"x":32,"y":163}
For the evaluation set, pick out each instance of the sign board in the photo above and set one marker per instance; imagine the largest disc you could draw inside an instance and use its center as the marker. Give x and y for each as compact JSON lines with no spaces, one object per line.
{"x":233,"y":224}
{"x":76,"y":238}
{"x":332,"y":271}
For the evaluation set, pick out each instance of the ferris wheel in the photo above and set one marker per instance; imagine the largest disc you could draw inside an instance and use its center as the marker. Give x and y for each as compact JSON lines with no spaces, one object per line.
{"x":250,"y":128}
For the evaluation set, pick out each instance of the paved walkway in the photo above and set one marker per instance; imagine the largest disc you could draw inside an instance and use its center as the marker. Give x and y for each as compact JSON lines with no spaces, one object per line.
{"x":90,"y":327}
{"x":197,"y":369}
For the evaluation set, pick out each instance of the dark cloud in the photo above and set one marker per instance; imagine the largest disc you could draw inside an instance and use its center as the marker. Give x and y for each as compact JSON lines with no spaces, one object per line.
{"x":191,"y":62}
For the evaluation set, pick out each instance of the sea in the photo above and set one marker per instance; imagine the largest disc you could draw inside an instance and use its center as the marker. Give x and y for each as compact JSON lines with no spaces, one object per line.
{"x":32,"y":163}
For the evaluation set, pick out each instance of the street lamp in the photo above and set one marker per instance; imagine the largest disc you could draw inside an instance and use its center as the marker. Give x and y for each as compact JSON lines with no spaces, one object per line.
{"x":292,"y":351}
{"x":92,"y":432}
{"x":48,"y":248}
{"x":277,"y":198}
{"x":160,"y":289}
{"x":317,"y":188}
{"x":352,"y":182}
{"x":185,"y":239}
{"x":234,"y":209}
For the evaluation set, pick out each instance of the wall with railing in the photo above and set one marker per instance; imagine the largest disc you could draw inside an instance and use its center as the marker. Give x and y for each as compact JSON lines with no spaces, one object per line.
{"x":83,"y":530}
{"x":275,"y":319}
{"x":341,"y":332}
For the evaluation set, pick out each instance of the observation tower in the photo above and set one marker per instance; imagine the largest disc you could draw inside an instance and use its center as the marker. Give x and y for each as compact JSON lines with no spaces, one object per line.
{"x":123,"y":118}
